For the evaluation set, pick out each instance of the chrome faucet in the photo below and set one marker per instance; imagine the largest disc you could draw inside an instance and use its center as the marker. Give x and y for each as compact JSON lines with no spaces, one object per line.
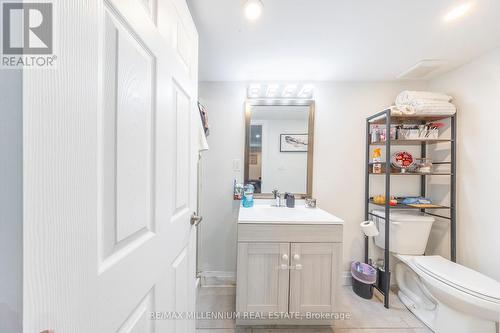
{"x":279,"y":198}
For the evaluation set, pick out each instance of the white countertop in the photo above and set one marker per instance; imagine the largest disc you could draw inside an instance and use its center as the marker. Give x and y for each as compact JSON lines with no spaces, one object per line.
{"x":263,"y":212}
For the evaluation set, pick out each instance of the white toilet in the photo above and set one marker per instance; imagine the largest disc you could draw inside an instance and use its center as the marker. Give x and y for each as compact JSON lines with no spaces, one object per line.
{"x":446,"y":296}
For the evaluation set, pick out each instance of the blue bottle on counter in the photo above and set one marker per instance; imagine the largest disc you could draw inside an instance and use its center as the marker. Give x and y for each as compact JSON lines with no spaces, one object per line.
{"x":248,"y":196}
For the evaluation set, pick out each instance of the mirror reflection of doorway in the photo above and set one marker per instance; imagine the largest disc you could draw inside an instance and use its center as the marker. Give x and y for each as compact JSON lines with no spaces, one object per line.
{"x":255,"y":158}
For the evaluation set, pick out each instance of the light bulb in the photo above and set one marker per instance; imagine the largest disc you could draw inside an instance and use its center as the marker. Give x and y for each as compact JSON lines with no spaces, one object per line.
{"x":458,"y":12}
{"x":253,"y":9}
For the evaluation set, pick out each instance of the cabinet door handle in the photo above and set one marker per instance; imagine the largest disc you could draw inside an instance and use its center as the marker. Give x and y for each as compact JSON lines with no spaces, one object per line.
{"x":284,"y":267}
{"x":285,"y":257}
{"x":298,"y":267}
{"x":296,"y":257}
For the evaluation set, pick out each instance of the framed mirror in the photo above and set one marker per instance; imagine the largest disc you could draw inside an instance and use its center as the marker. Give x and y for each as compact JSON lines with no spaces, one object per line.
{"x":279,"y":146}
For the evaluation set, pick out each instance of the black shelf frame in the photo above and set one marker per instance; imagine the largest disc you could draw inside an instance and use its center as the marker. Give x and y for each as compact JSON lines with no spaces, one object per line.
{"x":385,"y":117}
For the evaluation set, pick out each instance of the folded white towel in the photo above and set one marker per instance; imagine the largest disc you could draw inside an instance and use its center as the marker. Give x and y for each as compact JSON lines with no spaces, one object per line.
{"x":448,"y":109}
{"x":408,"y":96}
{"x":426,"y":104}
{"x":429,"y":102}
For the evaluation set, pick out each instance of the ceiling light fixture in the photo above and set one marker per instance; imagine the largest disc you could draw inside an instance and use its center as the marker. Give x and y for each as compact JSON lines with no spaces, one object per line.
{"x":253,"y":9}
{"x":457,"y":12}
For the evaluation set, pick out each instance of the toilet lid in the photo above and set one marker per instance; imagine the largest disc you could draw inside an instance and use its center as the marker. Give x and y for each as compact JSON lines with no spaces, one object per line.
{"x":460,"y":277}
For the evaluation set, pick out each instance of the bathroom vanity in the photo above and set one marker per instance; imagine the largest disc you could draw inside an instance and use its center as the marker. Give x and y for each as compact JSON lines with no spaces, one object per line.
{"x":288,"y":269}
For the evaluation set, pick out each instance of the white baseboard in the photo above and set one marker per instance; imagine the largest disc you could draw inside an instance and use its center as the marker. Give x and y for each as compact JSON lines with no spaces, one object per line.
{"x":218,"y":279}
{"x":228,"y":279}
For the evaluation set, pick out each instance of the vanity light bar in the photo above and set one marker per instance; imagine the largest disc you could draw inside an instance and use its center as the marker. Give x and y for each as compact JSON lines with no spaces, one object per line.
{"x":306,"y":91}
{"x":254,"y":91}
{"x":272,"y":90}
{"x":290,"y":91}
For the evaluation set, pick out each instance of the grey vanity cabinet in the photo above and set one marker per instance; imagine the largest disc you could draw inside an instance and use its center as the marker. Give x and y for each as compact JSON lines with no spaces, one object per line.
{"x":288,"y":268}
{"x":313,"y":277}
{"x":262,"y":278}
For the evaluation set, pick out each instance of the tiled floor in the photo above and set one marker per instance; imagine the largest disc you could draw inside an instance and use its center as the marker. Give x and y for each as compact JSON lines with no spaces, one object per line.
{"x":367,"y":316}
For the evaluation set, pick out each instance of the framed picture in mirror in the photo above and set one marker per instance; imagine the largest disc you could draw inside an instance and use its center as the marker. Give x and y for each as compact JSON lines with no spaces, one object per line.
{"x":293,"y":143}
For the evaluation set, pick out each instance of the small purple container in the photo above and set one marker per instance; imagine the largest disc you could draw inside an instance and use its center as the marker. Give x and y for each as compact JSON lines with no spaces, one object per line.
{"x":363,"y":272}
{"x":363,"y":278}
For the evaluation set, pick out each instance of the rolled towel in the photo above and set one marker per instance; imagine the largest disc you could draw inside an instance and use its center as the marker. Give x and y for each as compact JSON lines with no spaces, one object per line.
{"x":446,"y":108}
{"x":428,"y":103}
{"x":407,"y":96}
{"x":424,"y":109}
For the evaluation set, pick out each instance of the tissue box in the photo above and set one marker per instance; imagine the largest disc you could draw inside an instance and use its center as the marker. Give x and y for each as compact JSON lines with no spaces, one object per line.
{"x":417,"y":134}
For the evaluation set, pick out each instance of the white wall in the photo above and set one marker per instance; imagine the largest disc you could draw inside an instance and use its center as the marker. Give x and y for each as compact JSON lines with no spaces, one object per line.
{"x":11,"y":207}
{"x":285,"y":171}
{"x":339,"y":148}
{"x":476,"y":88}
{"x":217,"y":251}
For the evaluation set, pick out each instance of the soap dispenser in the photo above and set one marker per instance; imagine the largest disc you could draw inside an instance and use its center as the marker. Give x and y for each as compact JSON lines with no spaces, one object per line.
{"x":290,"y":200}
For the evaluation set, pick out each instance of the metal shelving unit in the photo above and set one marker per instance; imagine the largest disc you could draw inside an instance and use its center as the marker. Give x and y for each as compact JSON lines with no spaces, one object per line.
{"x":386,"y":118}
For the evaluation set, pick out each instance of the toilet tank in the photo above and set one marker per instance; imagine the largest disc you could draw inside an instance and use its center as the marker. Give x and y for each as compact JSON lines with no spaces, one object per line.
{"x":409,"y":231}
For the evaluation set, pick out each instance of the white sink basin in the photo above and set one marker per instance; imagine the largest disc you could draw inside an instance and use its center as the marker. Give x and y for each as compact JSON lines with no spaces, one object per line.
{"x":265,"y":213}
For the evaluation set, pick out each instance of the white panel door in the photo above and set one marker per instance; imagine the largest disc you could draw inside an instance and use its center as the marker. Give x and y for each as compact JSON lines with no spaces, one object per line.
{"x":263,"y":277}
{"x":314,"y":276}
{"x":110,"y":167}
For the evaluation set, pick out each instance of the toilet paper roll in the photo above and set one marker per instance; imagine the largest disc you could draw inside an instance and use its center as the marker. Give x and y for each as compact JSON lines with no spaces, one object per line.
{"x":369,"y":228}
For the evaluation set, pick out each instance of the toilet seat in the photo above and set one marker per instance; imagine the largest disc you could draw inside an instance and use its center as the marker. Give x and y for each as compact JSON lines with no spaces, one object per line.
{"x":467,"y":301}
{"x":459,"y":277}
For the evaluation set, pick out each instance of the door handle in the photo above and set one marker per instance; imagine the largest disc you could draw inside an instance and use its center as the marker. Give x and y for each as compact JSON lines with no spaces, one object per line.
{"x":296,"y":258}
{"x":195,"y":219}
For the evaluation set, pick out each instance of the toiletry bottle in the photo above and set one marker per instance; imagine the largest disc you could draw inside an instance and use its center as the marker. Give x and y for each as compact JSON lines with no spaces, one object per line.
{"x":237,"y":190}
{"x":376,"y":157}
{"x":290,"y":200}
{"x":375,"y":134}
{"x":248,"y":196}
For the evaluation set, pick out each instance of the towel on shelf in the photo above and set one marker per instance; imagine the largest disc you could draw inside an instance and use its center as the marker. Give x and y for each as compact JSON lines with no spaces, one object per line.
{"x":408,"y":96}
{"x":424,"y":109}
{"x":423,"y":103}
{"x":431,"y":106}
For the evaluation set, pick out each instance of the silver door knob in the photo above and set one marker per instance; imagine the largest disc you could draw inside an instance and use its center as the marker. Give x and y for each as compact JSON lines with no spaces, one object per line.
{"x":296,"y":257}
{"x":195,"y":219}
{"x":285,"y":257}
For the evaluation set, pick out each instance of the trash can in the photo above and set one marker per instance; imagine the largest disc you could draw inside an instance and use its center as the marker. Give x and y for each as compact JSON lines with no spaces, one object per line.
{"x":363,"y":278}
